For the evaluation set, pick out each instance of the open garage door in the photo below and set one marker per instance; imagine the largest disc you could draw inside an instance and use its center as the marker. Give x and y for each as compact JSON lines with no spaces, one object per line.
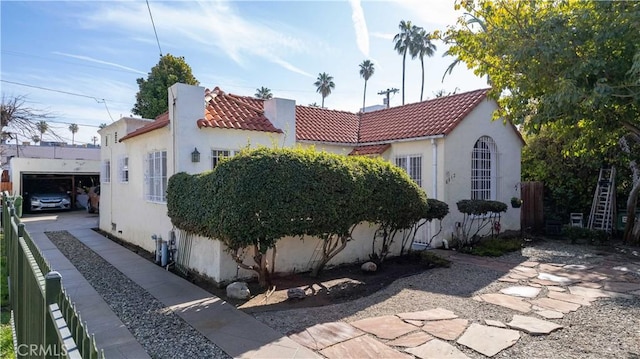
{"x":50,"y":191}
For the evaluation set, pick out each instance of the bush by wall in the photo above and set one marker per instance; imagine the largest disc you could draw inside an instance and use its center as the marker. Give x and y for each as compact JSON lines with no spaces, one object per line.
{"x":262,"y":195}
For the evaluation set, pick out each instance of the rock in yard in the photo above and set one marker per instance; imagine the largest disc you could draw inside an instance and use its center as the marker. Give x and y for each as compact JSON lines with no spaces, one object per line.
{"x":369,"y":267}
{"x":296,"y":293}
{"x":238,"y":290}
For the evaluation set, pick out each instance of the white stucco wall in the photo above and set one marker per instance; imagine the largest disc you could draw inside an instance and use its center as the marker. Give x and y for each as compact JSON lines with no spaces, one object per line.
{"x":457,"y":151}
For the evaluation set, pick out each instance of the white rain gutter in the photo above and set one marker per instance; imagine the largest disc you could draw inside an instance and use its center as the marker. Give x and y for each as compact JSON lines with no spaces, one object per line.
{"x":434,"y":151}
{"x":351,"y":144}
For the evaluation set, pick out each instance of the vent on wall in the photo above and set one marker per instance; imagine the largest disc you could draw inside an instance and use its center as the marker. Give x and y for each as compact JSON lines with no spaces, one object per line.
{"x":113,"y":226}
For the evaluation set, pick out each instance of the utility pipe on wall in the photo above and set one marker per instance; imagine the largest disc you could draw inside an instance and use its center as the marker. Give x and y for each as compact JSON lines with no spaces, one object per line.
{"x":434,"y":152}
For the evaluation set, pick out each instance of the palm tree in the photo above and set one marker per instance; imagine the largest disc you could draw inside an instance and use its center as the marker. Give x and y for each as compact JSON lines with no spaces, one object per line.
{"x":35,"y":139}
{"x":403,"y":44}
{"x":366,"y":71}
{"x":263,"y":93}
{"x":422,"y":46}
{"x":102,"y":125}
{"x":42,"y":127}
{"x":324,"y":85}
{"x":73,"y":128}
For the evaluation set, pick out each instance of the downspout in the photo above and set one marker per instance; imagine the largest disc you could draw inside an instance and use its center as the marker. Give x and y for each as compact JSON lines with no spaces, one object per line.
{"x":434,"y":152}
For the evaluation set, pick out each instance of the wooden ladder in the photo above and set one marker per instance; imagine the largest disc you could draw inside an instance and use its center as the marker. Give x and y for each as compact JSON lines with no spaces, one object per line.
{"x":601,"y":217}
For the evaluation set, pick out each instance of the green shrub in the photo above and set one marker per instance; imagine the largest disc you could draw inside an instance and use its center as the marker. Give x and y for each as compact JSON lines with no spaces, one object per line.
{"x":495,"y":247}
{"x":592,"y":236}
{"x":433,"y":260}
{"x":259,"y":196}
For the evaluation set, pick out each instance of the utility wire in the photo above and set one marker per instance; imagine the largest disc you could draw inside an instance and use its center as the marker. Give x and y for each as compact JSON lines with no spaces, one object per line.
{"x":154,"y":28}
{"x":98,"y":100}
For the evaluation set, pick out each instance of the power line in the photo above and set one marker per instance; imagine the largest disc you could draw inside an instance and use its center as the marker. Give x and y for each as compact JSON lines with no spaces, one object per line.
{"x":97,"y":99}
{"x":154,"y":28}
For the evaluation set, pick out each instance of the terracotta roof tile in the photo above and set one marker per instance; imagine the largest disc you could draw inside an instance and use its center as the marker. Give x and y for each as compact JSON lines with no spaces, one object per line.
{"x":318,"y":124}
{"x":428,"y":118}
{"x":235,"y":112}
{"x":161,"y":121}
{"x":370,"y":150}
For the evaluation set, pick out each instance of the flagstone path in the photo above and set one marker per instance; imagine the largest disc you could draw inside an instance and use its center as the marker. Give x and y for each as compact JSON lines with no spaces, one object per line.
{"x":540,"y":293}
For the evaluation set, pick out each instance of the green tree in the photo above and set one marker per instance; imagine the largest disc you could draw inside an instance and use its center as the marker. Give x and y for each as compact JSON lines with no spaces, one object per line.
{"x":366,"y":71}
{"x":35,"y":139}
{"x":422,"y":46}
{"x":571,"y":64}
{"x":152,"y":97}
{"x":102,"y":125}
{"x":403,"y":43}
{"x":324,"y":85}
{"x":74,"y":129}
{"x":263,"y":93}
{"x":42,"y":127}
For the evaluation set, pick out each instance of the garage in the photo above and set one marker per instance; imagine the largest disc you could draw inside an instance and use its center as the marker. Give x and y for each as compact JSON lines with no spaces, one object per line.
{"x":53,"y":184}
{"x":55,"y":191}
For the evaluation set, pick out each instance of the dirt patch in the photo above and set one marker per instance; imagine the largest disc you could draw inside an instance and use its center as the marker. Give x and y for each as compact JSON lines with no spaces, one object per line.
{"x":335,"y":285}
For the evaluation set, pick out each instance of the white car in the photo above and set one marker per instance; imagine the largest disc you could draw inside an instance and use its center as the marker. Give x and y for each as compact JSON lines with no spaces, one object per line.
{"x":49,"y":201}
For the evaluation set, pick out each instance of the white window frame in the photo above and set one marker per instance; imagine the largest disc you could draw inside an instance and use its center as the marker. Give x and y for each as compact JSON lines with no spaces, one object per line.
{"x":124,"y":169}
{"x":412,"y":164}
{"x":484,"y":169}
{"x":155,"y":179}
{"x":105,"y":176}
{"x":216,"y":156}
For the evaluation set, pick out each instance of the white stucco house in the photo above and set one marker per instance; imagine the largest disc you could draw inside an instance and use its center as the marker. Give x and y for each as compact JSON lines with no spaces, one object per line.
{"x":448,"y":145}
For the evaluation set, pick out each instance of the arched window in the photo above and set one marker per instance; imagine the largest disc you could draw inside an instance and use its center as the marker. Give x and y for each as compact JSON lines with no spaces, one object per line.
{"x":484,"y":169}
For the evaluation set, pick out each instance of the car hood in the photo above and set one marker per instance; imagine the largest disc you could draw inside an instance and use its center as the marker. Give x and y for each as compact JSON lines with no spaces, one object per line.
{"x":50,"y":195}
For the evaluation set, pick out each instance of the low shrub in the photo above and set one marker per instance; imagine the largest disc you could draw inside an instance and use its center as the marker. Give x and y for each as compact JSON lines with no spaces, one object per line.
{"x":494,"y":247}
{"x":591,"y":236}
{"x":432,"y":260}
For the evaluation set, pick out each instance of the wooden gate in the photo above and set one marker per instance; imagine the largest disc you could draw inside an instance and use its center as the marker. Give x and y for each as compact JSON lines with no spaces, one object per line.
{"x":532,"y":214}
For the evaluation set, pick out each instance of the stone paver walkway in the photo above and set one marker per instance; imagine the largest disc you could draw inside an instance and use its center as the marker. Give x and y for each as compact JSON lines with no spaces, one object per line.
{"x":540,"y":293}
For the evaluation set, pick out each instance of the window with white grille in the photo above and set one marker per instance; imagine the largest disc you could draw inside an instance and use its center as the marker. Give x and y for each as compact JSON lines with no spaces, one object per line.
{"x":106,"y":171}
{"x":484,"y":165}
{"x":124,"y":169}
{"x":413,"y":165}
{"x":219,"y":155}
{"x":156,"y":176}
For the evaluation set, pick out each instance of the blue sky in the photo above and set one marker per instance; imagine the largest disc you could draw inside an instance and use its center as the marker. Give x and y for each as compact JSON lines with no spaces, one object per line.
{"x":98,"y":49}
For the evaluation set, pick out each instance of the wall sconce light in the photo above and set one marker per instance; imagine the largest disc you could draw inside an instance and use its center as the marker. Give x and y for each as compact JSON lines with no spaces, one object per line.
{"x":195,"y":155}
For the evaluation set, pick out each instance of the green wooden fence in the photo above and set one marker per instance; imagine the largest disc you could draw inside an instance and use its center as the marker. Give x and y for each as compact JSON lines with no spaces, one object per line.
{"x":46,"y":323}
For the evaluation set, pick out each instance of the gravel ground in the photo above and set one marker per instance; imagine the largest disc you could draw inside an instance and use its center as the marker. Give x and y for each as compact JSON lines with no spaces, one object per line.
{"x":162,"y":334}
{"x":606,"y":329}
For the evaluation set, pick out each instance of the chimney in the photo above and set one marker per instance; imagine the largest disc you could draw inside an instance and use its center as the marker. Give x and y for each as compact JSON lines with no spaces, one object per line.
{"x":282,"y":114}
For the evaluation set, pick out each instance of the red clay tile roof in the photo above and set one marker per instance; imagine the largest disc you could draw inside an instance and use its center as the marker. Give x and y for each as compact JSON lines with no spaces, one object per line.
{"x":235,"y":112}
{"x":428,"y":118}
{"x":161,"y":121}
{"x":370,"y":150}
{"x":318,"y":124}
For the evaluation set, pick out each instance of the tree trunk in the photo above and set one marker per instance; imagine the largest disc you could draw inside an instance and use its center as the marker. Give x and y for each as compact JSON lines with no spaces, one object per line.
{"x":629,"y":235}
{"x":364,"y":97}
{"x":404,"y":61}
{"x":329,"y":250}
{"x":422,"y":87}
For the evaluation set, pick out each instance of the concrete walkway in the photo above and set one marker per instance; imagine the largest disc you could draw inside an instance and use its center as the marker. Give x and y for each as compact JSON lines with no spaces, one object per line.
{"x":237,"y":333}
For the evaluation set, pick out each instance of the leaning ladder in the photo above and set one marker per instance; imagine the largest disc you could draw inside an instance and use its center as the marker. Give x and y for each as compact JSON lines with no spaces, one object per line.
{"x":601,"y":217}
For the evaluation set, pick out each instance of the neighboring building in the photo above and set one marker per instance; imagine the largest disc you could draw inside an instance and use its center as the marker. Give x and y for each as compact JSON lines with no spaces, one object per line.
{"x":33,"y":168}
{"x":448,"y":145}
